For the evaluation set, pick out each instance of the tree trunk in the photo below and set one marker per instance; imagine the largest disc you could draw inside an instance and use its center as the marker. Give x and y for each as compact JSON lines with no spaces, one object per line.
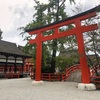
{"x":53,"y":60}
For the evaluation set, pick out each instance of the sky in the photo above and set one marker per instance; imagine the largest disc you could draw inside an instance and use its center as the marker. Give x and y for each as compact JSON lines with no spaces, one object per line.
{"x":17,"y":13}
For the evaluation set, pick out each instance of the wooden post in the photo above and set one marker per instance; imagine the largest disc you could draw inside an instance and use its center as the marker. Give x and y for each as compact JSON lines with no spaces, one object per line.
{"x":38,"y":58}
{"x":23,"y":59}
{"x":5,"y":69}
{"x":82,"y":55}
{"x":15,"y":67}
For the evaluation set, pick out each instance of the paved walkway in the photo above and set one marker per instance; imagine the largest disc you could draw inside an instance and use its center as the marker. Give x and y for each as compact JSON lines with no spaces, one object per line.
{"x":22,"y":89}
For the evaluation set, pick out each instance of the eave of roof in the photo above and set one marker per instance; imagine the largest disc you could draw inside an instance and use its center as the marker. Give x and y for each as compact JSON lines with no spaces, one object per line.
{"x":11,"y":49}
{"x":14,"y":55}
{"x":97,"y":9}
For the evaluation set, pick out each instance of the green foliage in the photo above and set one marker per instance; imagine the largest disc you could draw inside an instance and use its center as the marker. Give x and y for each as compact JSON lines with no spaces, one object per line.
{"x":45,"y":69}
{"x":45,"y":55}
{"x":64,"y":62}
{"x":44,"y":15}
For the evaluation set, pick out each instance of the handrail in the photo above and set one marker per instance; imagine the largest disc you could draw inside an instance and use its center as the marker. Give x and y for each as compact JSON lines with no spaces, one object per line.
{"x":96,"y":81}
{"x":70,"y":70}
{"x":51,"y":76}
{"x":10,"y":73}
{"x":48,"y":76}
{"x":64,"y":76}
{"x":1,"y":69}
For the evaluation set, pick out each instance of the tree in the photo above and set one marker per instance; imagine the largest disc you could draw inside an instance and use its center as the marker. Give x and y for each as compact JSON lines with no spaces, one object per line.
{"x":92,"y":38}
{"x":58,"y":6}
{"x":46,"y":14}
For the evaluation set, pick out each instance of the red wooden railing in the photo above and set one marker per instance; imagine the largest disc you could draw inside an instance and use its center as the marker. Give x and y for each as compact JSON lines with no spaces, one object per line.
{"x":64,"y":76}
{"x":1,"y":69}
{"x":70,"y":70}
{"x":10,"y":73}
{"x":48,"y":76}
{"x":95,"y":78}
{"x":57,"y":77}
{"x":96,"y":81}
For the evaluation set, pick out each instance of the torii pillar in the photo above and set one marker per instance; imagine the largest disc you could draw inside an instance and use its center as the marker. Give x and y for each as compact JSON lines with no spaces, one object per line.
{"x":78,"y":30}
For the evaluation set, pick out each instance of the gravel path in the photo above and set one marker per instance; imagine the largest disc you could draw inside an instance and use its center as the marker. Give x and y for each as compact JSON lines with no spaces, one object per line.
{"x":22,"y":89}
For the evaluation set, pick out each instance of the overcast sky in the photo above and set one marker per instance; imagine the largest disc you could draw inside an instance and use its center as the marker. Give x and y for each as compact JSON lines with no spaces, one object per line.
{"x":17,"y":13}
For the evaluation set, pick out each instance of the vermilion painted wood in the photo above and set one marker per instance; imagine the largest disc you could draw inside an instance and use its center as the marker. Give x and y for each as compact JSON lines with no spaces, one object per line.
{"x":82,"y":55}
{"x":72,"y":21}
{"x":65,"y":33}
{"x":78,"y":30}
{"x":55,"y":36}
{"x":38,"y":58}
{"x":70,"y":70}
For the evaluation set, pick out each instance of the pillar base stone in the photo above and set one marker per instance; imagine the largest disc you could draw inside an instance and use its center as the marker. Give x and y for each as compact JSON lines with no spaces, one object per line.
{"x":87,"y":87}
{"x":37,"y":82}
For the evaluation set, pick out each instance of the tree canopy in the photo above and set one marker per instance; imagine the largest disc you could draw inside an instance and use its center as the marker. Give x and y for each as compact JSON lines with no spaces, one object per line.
{"x":44,"y":15}
{"x":52,"y":12}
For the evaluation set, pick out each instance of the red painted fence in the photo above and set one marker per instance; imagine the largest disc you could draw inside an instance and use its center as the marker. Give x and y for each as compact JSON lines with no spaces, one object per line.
{"x":64,"y":76}
{"x":10,"y":73}
{"x":48,"y":76}
{"x":70,"y":70}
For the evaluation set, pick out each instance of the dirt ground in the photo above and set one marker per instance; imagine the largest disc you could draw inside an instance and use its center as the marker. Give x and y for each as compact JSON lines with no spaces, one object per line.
{"x":22,"y":89}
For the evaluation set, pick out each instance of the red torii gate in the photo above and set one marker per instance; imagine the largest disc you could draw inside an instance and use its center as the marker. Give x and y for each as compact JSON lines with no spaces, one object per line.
{"x":77,"y":30}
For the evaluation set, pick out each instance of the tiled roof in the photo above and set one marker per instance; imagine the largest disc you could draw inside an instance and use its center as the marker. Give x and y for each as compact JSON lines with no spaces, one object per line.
{"x":10,"y":48}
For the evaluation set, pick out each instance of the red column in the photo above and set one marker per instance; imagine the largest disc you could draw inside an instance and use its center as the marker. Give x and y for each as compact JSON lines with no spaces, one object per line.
{"x":38,"y":58}
{"x":27,"y":69}
{"x":82,"y":55}
{"x":25,"y":65}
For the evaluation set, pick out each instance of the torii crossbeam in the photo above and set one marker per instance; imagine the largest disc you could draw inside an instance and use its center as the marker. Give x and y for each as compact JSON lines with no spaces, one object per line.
{"x":78,"y":30}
